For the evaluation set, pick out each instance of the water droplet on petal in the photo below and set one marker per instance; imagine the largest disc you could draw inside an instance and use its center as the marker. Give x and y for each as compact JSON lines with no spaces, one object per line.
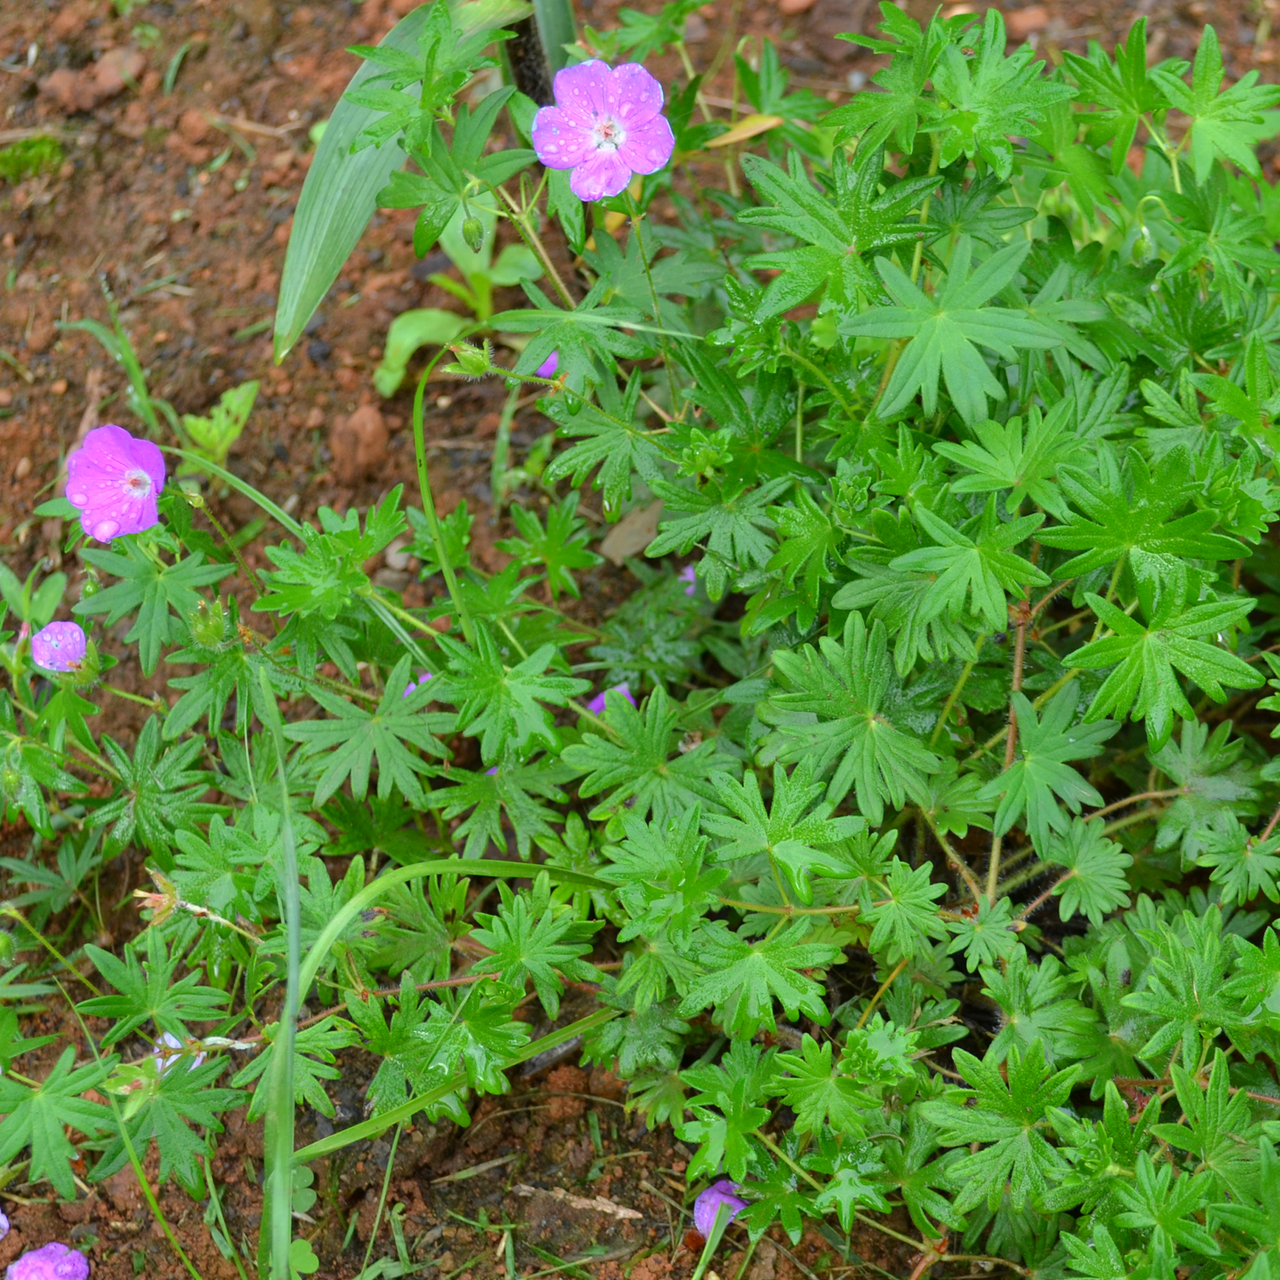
{"x":105,"y":530}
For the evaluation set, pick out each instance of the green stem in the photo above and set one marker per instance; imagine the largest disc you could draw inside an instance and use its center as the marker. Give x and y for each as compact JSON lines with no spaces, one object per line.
{"x":275,"y":1238}
{"x":501,"y":452}
{"x":957,"y":689}
{"x":520,"y":220}
{"x":636,"y":217}
{"x":240,"y":486}
{"x":429,"y":507}
{"x":820,"y":374}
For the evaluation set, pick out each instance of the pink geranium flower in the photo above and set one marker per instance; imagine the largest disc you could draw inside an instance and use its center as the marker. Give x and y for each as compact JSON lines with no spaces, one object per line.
{"x":115,"y":480}
{"x":52,"y":1262}
{"x":60,"y":646}
{"x":708,"y":1203}
{"x":547,"y":369}
{"x":605,"y":126}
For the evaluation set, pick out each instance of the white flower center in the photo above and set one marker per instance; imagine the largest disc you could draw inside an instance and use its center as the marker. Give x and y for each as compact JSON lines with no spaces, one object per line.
{"x":137,"y":484}
{"x":607,"y":134}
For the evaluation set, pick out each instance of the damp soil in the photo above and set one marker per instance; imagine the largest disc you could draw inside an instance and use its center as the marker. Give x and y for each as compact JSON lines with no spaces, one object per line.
{"x":185,"y":126}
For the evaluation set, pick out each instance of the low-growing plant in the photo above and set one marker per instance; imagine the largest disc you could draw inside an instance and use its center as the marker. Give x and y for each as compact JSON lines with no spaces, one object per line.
{"x":913,"y":824}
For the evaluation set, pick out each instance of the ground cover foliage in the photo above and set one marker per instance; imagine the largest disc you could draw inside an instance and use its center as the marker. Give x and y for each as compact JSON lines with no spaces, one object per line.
{"x":922,"y":851}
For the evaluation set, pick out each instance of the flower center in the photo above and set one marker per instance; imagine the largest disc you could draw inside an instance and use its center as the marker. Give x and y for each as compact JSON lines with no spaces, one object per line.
{"x":608,"y":134}
{"x":137,"y":484}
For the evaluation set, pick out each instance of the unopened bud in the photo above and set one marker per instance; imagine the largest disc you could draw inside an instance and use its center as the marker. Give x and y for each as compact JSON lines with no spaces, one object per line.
{"x":208,"y":627}
{"x":473,"y":362}
{"x":473,"y":233}
{"x":1144,"y":247}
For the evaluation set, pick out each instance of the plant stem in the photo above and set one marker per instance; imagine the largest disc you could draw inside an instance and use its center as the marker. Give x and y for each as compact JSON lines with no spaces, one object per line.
{"x":636,"y":218}
{"x":884,"y":986}
{"x":960,"y":865}
{"x":1133,"y":799}
{"x":429,"y":507}
{"x":382,"y":1199}
{"x":957,"y":689}
{"x":522,"y":223}
{"x":818,"y":373}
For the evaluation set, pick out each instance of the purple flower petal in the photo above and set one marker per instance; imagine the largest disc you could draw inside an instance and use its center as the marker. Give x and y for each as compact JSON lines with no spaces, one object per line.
{"x":54,"y":1261}
{"x":560,"y":140}
{"x":605,"y":174}
{"x":169,"y":1049}
{"x":598,"y":704}
{"x":690,"y":575}
{"x":709,"y":1201}
{"x":582,"y":92}
{"x":423,"y":677}
{"x":115,"y":480}
{"x":4,"y":1225}
{"x":547,"y":369}
{"x":60,"y":646}
{"x":633,"y":96}
{"x":648,"y":148}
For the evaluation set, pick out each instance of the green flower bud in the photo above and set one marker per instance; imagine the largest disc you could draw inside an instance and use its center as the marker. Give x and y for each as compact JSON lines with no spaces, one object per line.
{"x":473,"y":233}
{"x":1144,"y":247}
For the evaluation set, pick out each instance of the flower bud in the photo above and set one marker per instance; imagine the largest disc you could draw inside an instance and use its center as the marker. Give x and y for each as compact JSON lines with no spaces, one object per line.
{"x":474,"y":362}
{"x":209,"y":625}
{"x":473,"y":233}
{"x":1144,"y":247}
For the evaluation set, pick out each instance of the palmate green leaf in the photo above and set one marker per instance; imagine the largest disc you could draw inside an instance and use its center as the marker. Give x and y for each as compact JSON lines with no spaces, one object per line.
{"x":220,"y":872}
{"x":1023,"y":463}
{"x":1216,"y":1128}
{"x":855,"y":1173}
{"x":1095,"y":884}
{"x":355,"y":737}
{"x":946,"y":330}
{"x":961,"y":208}
{"x":726,"y":1108}
{"x":836,"y":231}
{"x":1011,"y":1116}
{"x":589,"y":339}
{"x":1243,"y":865}
{"x":1100,"y":1259}
{"x":1128,"y":513}
{"x":902,"y":105}
{"x":608,"y":437}
{"x":324,"y":577}
{"x":1225,"y":124}
{"x":836,"y":706}
{"x":729,"y":519}
{"x":1143,"y":684}
{"x":743,"y":979}
{"x":795,"y":833}
{"x":1124,"y":90}
{"x":1186,"y":991}
{"x":1167,"y":1208}
{"x":1218,"y":788}
{"x":160,"y":593}
{"x":315,"y":1050}
{"x":512,"y":794}
{"x":505,"y":707}
{"x":533,"y":940}
{"x":1037,"y":1009}
{"x":808,"y":539}
{"x":987,"y":937}
{"x":38,"y":1116}
{"x":821,"y":1092}
{"x":991,"y":98}
{"x":903,"y":910}
{"x":149,"y":992}
{"x":176,"y":1100}
{"x":1077,"y":164}
{"x":975,"y":569}
{"x":1040,"y":782}
{"x":662,"y":879}
{"x":641,"y":766}
{"x":559,"y":549}
{"x":158,"y":793}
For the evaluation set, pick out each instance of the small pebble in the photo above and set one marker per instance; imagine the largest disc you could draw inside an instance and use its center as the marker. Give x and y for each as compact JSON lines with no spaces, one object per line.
{"x":23,"y":469}
{"x":59,"y":387}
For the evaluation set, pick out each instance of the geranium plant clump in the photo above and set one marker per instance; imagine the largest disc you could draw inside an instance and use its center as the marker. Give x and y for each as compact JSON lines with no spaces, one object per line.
{"x":908,"y":835}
